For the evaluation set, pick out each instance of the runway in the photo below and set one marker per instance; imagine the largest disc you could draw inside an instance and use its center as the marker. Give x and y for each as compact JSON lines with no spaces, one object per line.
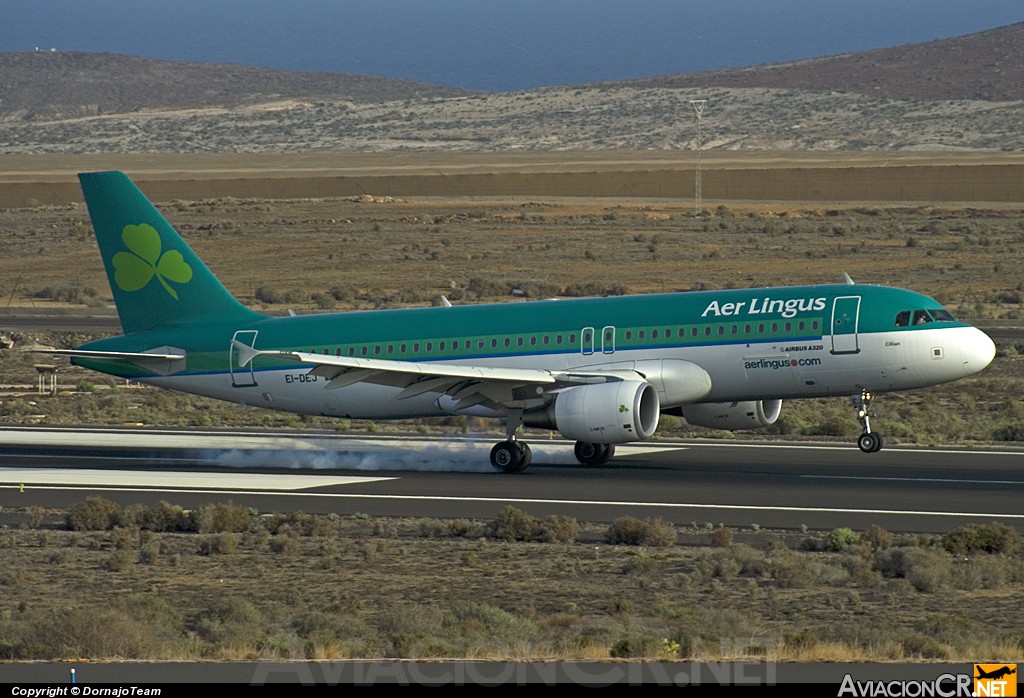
{"x":738,"y":484}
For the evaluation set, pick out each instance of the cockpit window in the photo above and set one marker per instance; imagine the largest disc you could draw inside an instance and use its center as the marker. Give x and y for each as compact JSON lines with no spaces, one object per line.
{"x":906,"y":318}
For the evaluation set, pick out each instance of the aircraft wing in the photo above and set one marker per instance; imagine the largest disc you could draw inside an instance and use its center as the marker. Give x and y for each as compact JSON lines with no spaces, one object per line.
{"x":495,"y":387}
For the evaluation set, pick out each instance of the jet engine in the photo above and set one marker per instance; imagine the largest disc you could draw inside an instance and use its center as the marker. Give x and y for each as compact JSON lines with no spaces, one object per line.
{"x":604,"y":413}
{"x":733,"y":415}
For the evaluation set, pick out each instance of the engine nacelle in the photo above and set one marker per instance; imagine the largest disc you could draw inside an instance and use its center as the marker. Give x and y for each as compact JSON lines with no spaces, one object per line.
{"x":604,"y":413}
{"x":733,"y":415}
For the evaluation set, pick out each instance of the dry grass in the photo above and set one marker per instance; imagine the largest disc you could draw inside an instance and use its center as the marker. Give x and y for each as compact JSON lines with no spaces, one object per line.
{"x":369,"y":588}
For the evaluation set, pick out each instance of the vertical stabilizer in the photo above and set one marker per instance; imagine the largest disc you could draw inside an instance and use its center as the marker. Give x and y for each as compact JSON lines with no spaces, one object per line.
{"x":156,"y":279}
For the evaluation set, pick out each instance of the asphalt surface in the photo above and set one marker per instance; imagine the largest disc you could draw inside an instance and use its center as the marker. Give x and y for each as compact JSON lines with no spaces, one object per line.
{"x":744,"y":485}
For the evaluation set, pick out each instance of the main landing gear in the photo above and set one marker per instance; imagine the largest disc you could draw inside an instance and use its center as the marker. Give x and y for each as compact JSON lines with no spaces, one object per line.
{"x":869,"y":441}
{"x":513,"y":456}
{"x":593,"y":454}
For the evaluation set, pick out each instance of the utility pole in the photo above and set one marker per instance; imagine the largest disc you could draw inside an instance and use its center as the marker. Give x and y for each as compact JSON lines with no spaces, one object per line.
{"x":698,"y":108}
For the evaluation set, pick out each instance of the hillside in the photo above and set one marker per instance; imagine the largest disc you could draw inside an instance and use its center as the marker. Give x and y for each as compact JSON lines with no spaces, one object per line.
{"x":52,"y":85}
{"x":961,"y":94}
{"x":986,"y":66}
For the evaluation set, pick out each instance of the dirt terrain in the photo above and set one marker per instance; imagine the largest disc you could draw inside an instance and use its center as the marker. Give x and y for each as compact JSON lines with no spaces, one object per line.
{"x":326,"y":251}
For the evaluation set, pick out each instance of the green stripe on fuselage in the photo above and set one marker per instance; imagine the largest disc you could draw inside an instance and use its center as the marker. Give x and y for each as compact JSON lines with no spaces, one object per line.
{"x":719,"y":317}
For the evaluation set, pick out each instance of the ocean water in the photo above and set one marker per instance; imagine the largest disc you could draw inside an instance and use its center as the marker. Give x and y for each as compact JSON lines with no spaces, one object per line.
{"x":492,"y":45}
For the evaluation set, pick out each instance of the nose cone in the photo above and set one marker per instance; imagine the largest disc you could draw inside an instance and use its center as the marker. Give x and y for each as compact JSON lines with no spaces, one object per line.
{"x":976,"y":350}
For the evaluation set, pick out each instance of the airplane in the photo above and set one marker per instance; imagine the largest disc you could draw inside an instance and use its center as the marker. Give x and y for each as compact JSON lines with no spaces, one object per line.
{"x":599,"y":371}
{"x":996,"y":673}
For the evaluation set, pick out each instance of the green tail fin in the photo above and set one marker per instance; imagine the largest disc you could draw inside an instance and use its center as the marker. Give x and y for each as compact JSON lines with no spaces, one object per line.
{"x":156,"y":279}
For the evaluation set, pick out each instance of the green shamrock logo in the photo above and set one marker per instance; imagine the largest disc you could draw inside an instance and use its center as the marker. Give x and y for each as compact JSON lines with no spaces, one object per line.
{"x":623,"y":408}
{"x":133,"y":270}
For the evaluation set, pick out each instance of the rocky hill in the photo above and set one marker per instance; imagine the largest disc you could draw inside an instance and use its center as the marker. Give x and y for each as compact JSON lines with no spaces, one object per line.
{"x":44,"y":85}
{"x":956,"y":94}
{"x":986,"y":66}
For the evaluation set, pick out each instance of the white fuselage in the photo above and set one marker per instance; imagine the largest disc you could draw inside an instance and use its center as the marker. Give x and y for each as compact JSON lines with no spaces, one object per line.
{"x":883,"y":361}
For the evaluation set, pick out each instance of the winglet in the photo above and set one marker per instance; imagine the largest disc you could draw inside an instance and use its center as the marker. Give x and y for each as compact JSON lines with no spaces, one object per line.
{"x":847,"y":279}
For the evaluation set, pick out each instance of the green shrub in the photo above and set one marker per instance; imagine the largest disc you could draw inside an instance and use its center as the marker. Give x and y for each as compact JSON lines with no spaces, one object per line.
{"x":627,"y":530}
{"x":560,"y":529}
{"x":218,"y":544}
{"x":721,"y":537}
{"x":513,"y":524}
{"x":283,"y":544}
{"x":840,"y":539}
{"x":160,"y":518}
{"x":222,"y":518}
{"x":926,"y":570}
{"x":878,"y":538}
{"x":636,"y":647}
{"x":94,"y":514}
{"x":988,"y":538}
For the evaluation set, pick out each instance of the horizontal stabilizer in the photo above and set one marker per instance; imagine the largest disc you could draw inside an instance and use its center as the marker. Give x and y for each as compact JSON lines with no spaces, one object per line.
{"x":133,"y":356}
{"x":162,"y":360}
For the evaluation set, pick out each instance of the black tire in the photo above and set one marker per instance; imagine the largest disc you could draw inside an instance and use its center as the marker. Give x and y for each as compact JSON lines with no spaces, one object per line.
{"x":526,"y":455}
{"x":869,"y":442}
{"x":510,"y":456}
{"x":593,"y":454}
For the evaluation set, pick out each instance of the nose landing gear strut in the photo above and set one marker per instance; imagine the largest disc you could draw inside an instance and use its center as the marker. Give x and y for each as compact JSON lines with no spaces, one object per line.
{"x":869,"y":441}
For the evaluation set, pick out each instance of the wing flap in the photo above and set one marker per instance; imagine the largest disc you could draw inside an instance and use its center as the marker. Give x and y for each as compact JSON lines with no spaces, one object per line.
{"x":386,"y":366}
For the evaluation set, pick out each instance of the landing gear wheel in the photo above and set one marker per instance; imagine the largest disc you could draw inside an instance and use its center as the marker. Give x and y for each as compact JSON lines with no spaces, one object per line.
{"x":593,"y":454}
{"x":870,"y":442}
{"x":511,"y":456}
{"x":526,"y":455}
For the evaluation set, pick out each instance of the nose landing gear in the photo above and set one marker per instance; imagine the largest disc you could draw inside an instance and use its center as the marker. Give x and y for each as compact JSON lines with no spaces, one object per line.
{"x":869,"y":441}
